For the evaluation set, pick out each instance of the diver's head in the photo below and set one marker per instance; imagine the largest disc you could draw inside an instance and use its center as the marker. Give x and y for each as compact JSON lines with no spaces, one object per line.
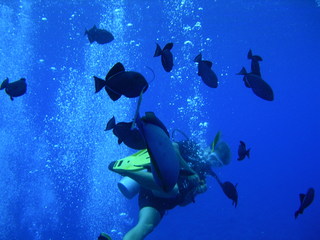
{"x":220,"y":156}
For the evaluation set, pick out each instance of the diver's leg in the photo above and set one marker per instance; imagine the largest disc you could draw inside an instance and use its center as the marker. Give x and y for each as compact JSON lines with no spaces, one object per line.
{"x":149,"y":218}
{"x":146,"y":180}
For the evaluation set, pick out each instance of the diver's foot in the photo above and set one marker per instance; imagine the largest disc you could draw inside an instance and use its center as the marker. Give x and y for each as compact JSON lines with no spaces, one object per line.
{"x":104,"y":236}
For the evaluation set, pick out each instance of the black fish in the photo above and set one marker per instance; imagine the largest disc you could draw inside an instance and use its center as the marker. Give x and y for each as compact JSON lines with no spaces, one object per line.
{"x":305,"y":201}
{"x":242,"y":151}
{"x":100,"y":36}
{"x":255,"y":59}
{"x":130,"y":137}
{"x":205,"y":72}
{"x":166,"y":56}
{"x":228,"y":188}
{"x":231,"y":192}
{"x":120,"y":82}
{"x":14,"y":89}
{"x":257,"y":84}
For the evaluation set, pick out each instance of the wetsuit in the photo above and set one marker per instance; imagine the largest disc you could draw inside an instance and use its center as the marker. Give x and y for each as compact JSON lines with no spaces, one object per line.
{"x":188,"y":151}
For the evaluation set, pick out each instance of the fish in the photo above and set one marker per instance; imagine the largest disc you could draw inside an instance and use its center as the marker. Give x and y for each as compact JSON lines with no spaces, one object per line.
{"x":305,"y":201}
{"x":259,"y":87}
{"x":132,"y":138}
{"x":119,"y":82}
{"x":228,"y":188}
{"x":243,"y":151}
{"x":207,"y":75}
{"x":100,"y":36}
{"x":166,"y":56}
{"x":14,"y":89}
{"x":231,"y":192}
{"x":255,"y":66}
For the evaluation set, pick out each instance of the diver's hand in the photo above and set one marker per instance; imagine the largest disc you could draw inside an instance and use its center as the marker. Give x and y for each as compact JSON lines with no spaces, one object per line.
{"x":194,"y":179}
{"x":202,"y":187}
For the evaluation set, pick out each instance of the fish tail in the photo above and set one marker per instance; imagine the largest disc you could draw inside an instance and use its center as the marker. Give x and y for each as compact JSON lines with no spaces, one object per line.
{"x":4,"y":84}
{"x":158,"y":51}
{"x":99,"y":83}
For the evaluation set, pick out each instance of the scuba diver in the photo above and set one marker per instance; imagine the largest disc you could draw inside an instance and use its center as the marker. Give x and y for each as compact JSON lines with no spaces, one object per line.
{"x":195,"y":165}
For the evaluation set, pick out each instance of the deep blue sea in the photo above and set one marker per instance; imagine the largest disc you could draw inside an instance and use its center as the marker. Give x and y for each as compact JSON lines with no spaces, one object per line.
{"x":54,"y":152}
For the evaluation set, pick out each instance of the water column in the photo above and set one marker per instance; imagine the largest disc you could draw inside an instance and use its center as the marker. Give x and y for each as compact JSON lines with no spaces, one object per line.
{"x":183,"y":20}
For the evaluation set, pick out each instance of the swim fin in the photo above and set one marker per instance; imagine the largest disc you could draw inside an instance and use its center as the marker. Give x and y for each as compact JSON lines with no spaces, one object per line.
{"x":135,"y":162}
{"x":104,"y":236}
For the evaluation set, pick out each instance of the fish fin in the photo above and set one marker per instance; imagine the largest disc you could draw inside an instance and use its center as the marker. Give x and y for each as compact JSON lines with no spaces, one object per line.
{"x":215,"y":141}
{"x":246,"y":82}
{"x":249,"y":56}
{"x":111,"y":124}
{"x":198,"y":58}
{"x":168,"y":46}
{"x":99,"y":83}
{"x":296,"y":214}
{"x":242,"y":143}
{"x":243,"y":71}
{"x":208,"y":63}
{"x":248,"y":153}
{"x":150,"y":117}
{"x":117,"y":68}
{"x":85,"y":32}
{"x":112,"y":94}
{"x":4,"y":84}
{"x":302,"y":196}
{"x":119,"y":141}
{"x":158,"y":51}
{"x":256,"y":58}
{"x":11,"y":98}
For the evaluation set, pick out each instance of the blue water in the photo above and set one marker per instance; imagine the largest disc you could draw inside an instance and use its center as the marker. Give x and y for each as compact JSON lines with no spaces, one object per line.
{"x":54,"y":181}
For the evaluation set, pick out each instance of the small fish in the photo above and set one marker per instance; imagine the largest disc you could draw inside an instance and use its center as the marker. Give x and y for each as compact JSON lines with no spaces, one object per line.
{"x":14,"y":89}
{"x":166,"y":56}
{"x":231,"y":192}
{"x":120,"y":82}
{"x":305,"y":201}
{"x":255,"y":59}
{"x":125,"y":134}
{"x":242,"y":151}
{"x":205,"y":72}
{"x":100,"y":36}
{"x":259,"y":87}
{"x":228,"y":188}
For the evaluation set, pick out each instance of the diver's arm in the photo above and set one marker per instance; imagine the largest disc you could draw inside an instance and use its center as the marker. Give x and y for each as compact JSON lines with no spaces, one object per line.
{"x":183,"y":163}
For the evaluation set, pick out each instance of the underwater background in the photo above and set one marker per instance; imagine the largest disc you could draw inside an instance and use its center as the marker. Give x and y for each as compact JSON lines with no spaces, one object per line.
{"x":54,"y":152}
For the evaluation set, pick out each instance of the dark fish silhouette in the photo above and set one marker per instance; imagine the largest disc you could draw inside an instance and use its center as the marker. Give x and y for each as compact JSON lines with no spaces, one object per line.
{"x":228,"y":188}
{"x":205,"y":72}
{"x":100,"y":36}
{"x":305,"y":201}
{"x":125,"y":134}
{"x":111,"y":124}
{"x":231,"y":192}
{"x":255,"y":66}
{"x":257,"y":84}
{"x":14,"y":89}
{"x":243,"y":151}
{"x":166,"y":56}
{"x":120,"y":82}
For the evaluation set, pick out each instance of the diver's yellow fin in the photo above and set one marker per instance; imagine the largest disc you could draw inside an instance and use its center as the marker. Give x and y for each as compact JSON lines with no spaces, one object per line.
{"x":215,"y":141}
{"x":104,"y":236}
{"x":135,"y":162}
